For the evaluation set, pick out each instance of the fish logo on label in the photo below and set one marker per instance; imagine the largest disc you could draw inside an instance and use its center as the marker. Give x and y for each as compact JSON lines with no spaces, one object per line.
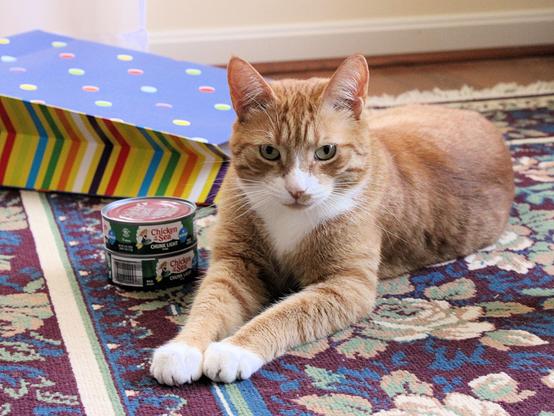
{"x":142,"y":238}
{"x":162,"y":271}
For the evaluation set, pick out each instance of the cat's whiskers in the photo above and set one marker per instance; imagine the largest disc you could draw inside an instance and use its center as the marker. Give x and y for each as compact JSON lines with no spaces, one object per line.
{"x":249,"y":186}
{"x":252,"y":182}
{"x":239,"y":207}
{"x":241,"y":203}
{"x":240,"y":198}
{"x":244,"y":195}
{"x":245,"y":184}
{"x":253,"y":207}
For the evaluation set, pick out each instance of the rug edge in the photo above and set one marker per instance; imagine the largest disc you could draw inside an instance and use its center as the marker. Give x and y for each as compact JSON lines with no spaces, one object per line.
{"x":466,"y":92}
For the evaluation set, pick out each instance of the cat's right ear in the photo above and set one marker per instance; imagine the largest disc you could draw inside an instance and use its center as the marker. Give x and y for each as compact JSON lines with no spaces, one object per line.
{"x":249,"y":91}
{"x":347,"y":88}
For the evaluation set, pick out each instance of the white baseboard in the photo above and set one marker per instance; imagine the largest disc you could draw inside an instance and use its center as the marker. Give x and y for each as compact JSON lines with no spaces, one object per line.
{"x":369,"y":37}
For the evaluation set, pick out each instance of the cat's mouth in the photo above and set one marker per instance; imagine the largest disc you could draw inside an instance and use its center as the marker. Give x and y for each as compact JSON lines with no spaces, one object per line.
{"x":298,"y":205}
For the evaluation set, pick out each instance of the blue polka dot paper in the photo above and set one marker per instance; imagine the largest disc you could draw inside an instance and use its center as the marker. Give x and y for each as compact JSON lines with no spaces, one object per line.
{"x":177,"y":97}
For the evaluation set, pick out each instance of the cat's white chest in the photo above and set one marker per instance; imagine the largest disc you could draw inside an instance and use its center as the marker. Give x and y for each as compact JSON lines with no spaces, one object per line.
{"x":286,"y":227}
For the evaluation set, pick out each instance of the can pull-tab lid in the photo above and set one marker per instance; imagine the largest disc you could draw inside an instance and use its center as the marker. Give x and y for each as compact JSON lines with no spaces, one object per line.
{"x":149,"y":210}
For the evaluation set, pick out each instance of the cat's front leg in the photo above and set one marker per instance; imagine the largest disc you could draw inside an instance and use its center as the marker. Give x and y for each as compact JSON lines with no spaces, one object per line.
{"x":315,"y":312}
{"x":229,"y":295}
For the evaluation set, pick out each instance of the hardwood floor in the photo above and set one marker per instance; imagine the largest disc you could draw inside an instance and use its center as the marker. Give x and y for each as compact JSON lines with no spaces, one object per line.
{"x":397,"y":78}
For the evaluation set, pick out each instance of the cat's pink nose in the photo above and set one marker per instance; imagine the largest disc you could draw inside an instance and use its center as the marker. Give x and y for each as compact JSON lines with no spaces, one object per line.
{"x":297,"y":193}
{"x":295,"y":185}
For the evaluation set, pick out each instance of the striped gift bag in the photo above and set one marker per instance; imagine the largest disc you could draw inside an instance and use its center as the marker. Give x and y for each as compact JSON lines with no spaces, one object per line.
{"x":77,"y":116}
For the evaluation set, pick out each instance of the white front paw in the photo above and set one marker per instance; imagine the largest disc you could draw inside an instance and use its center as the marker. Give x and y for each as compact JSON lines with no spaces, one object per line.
{"x":176,"y":363}
{"x":226,"y":362}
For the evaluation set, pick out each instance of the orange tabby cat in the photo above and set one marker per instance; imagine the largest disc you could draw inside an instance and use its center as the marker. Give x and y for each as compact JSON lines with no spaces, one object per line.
{"x":323,"y":198}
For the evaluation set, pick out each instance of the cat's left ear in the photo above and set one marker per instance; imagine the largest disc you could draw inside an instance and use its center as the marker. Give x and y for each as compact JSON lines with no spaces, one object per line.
{"x":347,"y":89}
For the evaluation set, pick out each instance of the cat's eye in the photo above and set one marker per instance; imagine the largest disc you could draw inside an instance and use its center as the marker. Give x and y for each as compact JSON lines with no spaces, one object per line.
{"x":269,"y":152}
{"x":326,"y":152}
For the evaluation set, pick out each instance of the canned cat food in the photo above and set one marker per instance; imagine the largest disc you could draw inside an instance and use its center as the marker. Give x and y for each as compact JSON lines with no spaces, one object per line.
{"x":145,"y":226}
{"x":152,"y":272}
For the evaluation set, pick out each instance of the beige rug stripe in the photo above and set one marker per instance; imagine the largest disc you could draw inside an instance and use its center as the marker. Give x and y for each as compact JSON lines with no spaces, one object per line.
{"x":93,"y":391}
{"x":538,"y":140}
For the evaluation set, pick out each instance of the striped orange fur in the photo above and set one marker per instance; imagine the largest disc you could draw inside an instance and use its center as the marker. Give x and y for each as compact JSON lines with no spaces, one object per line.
{"x":303,"y":237}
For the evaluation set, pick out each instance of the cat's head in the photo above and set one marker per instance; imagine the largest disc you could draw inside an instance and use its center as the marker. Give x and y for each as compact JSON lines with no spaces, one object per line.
{"x":300,"y":144}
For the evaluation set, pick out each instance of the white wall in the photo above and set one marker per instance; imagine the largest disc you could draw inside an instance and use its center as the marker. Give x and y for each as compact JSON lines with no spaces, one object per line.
{"x":270,"y":30}
{"x":261,"y":30}
{"x":119,"y":22}
{"x":164,"y":15}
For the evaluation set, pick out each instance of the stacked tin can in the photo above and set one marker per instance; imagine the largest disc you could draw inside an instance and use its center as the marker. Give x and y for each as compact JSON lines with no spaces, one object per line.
{"x":150,"y":242}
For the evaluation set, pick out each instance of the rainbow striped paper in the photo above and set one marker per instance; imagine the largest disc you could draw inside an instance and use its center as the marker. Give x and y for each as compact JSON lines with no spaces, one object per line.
{"x":81,"y":117}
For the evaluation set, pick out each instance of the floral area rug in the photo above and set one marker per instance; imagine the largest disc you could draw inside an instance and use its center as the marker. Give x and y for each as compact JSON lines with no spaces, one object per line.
{"x":470,"y":337}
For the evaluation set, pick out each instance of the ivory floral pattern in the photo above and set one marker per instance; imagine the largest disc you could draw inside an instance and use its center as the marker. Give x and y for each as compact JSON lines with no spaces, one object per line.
{"x":499,"y":387}
{"x":410,"y":319}
{"x":454,"y":404}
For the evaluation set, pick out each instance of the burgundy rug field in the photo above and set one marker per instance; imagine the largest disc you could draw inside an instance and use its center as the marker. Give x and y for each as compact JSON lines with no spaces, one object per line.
{"x":474,"y":336}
